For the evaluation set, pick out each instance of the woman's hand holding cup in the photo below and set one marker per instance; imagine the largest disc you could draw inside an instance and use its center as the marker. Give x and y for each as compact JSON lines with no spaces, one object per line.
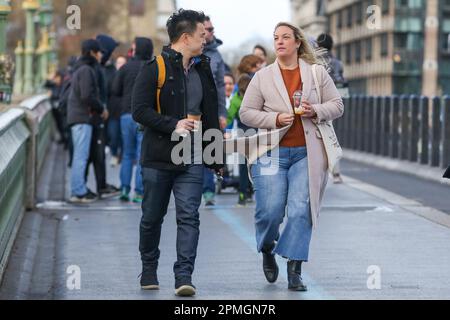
{"x":308,"y":110}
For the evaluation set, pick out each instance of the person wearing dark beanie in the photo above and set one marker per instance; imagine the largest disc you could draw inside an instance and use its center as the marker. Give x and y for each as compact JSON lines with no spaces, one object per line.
{"x":105,"y":72}
{"x":107,"y":46}
{"x":325,"y":41}
{"x":90,"y":46}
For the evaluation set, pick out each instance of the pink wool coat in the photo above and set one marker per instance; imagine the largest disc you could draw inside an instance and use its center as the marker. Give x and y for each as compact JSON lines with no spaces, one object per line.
{"x":267,"y":96}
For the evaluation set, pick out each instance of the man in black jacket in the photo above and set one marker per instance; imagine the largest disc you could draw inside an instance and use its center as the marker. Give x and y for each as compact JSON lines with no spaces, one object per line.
{"x":83,"y":103}
{"x":131,"y":135}
{"x":97,"y":156}
{"x":189,"y":88}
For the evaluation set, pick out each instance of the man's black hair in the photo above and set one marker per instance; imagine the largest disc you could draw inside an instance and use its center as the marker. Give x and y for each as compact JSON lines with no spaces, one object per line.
{"x":183,"y":21}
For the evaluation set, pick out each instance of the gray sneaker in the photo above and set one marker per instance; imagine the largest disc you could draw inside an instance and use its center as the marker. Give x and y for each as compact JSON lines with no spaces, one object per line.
{"x":184,"y":287}
{"x":89,"y":197}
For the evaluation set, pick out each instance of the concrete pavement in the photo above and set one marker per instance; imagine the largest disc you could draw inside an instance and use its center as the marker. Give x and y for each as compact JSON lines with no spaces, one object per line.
{"x":359,"y":232}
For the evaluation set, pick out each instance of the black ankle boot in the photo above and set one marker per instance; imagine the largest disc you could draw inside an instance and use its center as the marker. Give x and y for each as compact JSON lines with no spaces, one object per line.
{"x":294,"y":269}
{"x":270,"y":266}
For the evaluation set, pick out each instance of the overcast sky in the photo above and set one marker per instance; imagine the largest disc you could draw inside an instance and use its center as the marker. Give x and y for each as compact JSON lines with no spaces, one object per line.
{"x":238,"y":20}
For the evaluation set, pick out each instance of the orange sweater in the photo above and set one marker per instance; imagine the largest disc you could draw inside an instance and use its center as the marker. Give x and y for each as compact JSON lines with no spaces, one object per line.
{"x":295,"y":137}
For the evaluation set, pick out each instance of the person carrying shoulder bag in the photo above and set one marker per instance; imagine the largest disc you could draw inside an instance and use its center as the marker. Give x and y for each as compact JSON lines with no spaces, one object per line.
{"x":290,"y":172}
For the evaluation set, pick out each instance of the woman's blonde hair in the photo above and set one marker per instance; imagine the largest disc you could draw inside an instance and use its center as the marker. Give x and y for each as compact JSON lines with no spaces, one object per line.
{"x":306,"y":51}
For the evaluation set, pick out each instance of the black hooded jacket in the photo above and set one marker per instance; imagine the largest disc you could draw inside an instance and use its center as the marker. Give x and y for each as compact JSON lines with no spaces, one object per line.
{"x":84,"y":98}
{"x":124,"y":81}
{"x":157,"y":145}
{"x":106,"y":70}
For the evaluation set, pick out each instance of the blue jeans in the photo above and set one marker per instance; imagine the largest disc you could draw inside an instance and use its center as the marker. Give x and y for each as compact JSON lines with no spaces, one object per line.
{"x":114,"y":136}
{"x":81,"y":139}
{"x":285,"y":187}
{"x":208,"y":181}
{"x":131,"y":144}
{"x":187,"y":189}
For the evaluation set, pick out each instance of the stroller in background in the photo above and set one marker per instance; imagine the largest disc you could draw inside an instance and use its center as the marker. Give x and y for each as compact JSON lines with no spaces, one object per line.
{"x":230,"y":178}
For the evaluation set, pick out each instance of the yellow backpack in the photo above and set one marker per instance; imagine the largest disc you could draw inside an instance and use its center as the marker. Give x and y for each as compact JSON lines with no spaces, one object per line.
{"x":161,"y":81}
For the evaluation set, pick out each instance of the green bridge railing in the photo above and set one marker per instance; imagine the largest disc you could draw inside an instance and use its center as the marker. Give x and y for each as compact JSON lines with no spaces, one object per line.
{"x":25,"y":135}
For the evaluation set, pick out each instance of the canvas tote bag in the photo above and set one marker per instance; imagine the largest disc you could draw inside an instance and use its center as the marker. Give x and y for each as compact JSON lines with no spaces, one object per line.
{"x":330,"y":140}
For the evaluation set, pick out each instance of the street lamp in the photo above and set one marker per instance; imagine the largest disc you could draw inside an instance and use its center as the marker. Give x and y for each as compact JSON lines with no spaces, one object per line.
{"x":18,"y":79}
{"x":30,"y":6}
{"x":44,"y":50}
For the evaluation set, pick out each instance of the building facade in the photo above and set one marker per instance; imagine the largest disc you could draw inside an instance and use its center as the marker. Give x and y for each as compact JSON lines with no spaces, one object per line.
{"x":146,"y":18}
{"x":310,"y":15}
{"x":392,"y":46}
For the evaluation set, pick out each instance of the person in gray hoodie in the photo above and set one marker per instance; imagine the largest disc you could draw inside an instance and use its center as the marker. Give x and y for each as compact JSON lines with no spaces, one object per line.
{"x":218,"y":69}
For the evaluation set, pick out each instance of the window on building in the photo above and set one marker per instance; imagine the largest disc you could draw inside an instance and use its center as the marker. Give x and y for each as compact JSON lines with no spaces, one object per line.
{"x":137,"y":7}
{"x":408,"y":41}
{"x":385,"y":6}
{"x":358,"y":51}
{"x":413,"y":4}
{"x":368,"y":48}
{"x":320,"y":7}
{"x":407,"y":85}
{"x":348,"y":53}
{"x":446,"y":43}
{"x":445,"y":36}
{"x":444,"y":83}
{"x":384,"y":45}
{"x":358,"y":86}
{"x":339,"y":20}
{"x":409,"y":24}
{"x":416,"y":4}
{"x":337,"y":50}
{"x":349,"y":16}
{"x":358,"y":12}
{"x":447,"y":4}
{"x":444,"y":75}
{"x":407,"y":66}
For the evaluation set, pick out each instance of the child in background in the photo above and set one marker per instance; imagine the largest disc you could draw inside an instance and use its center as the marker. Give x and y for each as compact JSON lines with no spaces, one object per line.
{"x":233,"y":114}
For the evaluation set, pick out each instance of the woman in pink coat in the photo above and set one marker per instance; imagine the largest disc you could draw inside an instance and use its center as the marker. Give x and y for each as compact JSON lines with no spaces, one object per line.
{"x":290,"y":170}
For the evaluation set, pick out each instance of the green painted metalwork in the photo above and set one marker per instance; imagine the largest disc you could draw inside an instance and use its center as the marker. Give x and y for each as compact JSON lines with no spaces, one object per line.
{"x":6,"y":62}
{"x":18,"y":78}
{"x":5,"y":9}
{"x":13,"y":161}
{"x":44,"y":139}
{"x":30,"y":6}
